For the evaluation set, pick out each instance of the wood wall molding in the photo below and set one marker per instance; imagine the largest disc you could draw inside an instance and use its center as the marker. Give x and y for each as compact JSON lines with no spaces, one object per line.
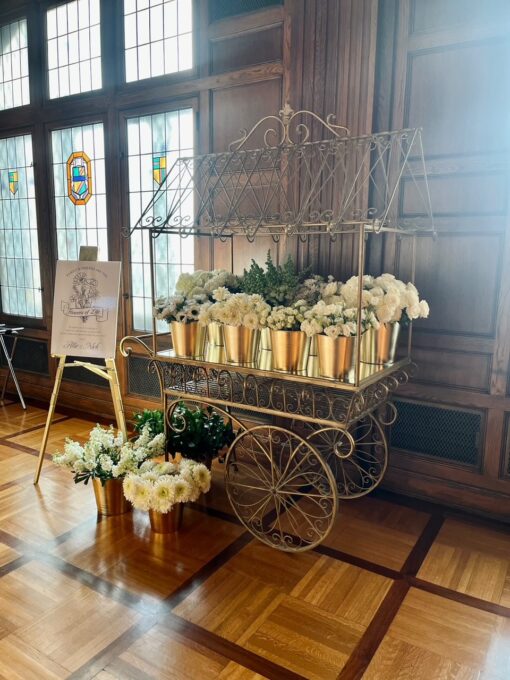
{"x":439,"y":59}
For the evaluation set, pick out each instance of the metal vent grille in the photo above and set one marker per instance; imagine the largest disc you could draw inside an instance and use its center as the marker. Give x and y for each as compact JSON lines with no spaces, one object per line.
{"x":439,"y":432}
{"x":140,"y":380}
{"x":220,"y":9}
{"x":31,"y":355}
{"x":81,"y":375}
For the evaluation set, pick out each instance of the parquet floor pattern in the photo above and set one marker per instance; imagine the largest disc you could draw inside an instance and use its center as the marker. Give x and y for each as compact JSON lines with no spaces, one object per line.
{"x":400,"y":590}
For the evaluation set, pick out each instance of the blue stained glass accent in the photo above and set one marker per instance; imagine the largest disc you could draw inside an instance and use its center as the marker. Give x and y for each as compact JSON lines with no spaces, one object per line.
{"x":20,"y":281}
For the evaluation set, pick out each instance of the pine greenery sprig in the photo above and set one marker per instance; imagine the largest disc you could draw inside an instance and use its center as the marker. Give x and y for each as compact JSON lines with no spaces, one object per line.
{"x":277,"y":284}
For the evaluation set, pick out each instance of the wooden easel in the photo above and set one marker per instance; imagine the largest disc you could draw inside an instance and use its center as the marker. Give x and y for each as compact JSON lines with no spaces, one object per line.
{"x":108,"y":372}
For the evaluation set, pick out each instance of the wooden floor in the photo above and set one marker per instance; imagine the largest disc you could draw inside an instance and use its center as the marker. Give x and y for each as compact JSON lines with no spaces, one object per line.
{"x":399,"y":591}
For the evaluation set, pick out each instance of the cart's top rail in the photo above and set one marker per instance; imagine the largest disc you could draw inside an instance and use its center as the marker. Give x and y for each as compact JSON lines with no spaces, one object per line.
{"x":215,"y":358}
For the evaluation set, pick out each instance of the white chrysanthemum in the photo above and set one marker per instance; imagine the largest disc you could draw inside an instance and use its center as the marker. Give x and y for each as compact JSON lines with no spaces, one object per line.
{"x":142,"y":495}
{"x":202,"y":477}
{"x":163,"y":494}
{"x":182,"y":490}
{"x":129,"y":487}
{"x":251,"y":320}
{"x":424,"y":309}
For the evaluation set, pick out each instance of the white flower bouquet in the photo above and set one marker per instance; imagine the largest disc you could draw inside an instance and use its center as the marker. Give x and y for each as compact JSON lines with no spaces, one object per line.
{"x":288,"y":318}
{"x":159,"y":486}
{"x":193,"y":295}
{"x":391,"y":299}
{"x":239,"y":309}
{"x":336,"y":320}
{"x":180,"y":308}
{"x":107,"y":456}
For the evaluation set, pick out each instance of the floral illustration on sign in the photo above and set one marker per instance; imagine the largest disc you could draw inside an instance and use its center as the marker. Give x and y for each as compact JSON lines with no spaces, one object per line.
{"x":81,"y":300}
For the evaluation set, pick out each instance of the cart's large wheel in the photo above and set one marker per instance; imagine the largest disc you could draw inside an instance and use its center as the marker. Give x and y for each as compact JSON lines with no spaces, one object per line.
{"x":280,"y":488}
{"x":358,"y":458}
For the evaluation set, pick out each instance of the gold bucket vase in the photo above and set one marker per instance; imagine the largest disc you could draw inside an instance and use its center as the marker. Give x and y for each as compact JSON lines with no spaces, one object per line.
{"x":110,"y":498}
{"x":265,"y":339}
{"x":215,"y":334}
{"x":379,"y":346}
{"x":188,"y":339}
{"x":290,"y":350}
{"x":335,"y":356}
{"x":166,"y":522}
{"x":241,"y":344}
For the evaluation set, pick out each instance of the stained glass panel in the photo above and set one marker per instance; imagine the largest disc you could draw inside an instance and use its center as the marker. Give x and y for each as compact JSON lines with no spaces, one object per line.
{"x":20,"y":275}
{"x":80,"y":192}
{"x":157,"y":37}
{"x":14,"y":86}
{"x":154,"y":143}
{"x":74,"y":48}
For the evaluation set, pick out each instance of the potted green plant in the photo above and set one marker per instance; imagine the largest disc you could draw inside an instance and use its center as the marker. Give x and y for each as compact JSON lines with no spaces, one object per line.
{"x":198,"y":433}
{"x":154,"y":419}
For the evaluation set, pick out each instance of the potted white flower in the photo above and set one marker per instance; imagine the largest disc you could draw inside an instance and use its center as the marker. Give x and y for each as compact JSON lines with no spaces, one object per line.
{"x":242,"y":317}
{"x":335,"y":326}
{"x":395,"y":303}
{"x":106,"y":459}
{"x":163,"y":488}
{"x":289,"y":343}
{"x":193,"y":295}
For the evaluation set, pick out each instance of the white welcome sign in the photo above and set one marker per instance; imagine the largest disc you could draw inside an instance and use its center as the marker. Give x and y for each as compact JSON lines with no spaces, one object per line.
{"x":85,"y":309}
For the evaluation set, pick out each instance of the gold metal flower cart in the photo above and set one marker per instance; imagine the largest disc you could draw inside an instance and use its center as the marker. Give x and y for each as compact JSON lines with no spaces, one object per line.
{"x":303,"y":441}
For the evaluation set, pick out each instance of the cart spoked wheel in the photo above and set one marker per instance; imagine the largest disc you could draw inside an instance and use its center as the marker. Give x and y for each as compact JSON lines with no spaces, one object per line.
{"x":280,"y":488}
{"x":358,"y":457}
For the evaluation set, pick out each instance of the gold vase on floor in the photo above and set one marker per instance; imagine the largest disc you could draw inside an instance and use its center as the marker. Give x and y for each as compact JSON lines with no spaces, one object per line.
{"x":335,"y":356}
{"x":241,"y":344}
{"x":215,"y":334}
{"x":290,"y":350}
{"x":110,"y":498}
{"x":166,"y":522}
{"x":188,"y":339}
{"x":380,"y":346}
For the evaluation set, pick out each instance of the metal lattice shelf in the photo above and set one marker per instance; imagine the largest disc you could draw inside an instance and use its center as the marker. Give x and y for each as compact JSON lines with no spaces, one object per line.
{"x":293,"y":186}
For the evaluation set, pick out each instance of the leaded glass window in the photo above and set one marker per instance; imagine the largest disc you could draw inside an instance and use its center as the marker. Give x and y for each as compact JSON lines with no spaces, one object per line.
{"x":80,"y":191}
{"x":20,"y":276}
{"x":154,"y":144}
{"x":14,"y":87}
{"x":74,"y":48}
{"x":157,"y":36}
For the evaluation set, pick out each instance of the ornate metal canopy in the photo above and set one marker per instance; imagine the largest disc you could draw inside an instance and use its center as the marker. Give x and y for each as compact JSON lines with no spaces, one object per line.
{"x":291,"y":185}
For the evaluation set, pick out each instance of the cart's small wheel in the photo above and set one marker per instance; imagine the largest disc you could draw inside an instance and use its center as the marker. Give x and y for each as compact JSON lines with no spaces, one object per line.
{"x":358,"y":458}
{"x":280,"y":488}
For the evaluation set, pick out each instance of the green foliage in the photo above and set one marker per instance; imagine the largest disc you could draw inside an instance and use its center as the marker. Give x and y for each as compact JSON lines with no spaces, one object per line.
{"x":277,"y":284}
{"x":153,"y":418}
{"x":198,"y":433}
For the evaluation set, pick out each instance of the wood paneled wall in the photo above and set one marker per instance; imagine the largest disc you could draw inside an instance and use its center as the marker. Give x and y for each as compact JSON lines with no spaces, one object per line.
{"x":376,"y":64}
{"x":441,"y":66}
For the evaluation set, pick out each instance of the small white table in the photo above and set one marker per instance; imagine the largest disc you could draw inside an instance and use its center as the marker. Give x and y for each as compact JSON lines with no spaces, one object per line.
{"x":10,"y":330}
